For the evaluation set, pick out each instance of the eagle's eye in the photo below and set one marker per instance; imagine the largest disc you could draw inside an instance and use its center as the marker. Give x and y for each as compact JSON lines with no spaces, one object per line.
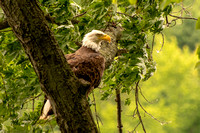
{"x":99,"y":34}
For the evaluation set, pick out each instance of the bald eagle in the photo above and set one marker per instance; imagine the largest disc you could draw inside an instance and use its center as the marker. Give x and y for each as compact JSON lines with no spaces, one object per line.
{"x":87,"y":64}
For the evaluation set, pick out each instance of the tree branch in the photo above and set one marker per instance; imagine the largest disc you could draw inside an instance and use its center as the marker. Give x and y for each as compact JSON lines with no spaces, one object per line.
{"x":179,"y":17}
{"x":4,"y":24}
{"x":79,"y":15}
{"x":66,"y":93}
{"x":119,"y":110}
{"x":137,"y":107}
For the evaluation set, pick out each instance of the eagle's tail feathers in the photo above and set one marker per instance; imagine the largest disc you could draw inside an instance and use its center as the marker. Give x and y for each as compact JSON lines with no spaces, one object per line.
{"x":47,"y":107}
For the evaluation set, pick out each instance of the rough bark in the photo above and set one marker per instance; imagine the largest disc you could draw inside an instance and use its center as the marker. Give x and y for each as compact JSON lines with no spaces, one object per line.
{"x":65,"y":92}
{"x":109,"y":51}
{"x":119,"y":110}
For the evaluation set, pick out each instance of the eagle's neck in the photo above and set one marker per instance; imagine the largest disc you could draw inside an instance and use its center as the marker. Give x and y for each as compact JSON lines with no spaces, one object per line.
{"x":92,"y":45}
{"x":85,"y":50}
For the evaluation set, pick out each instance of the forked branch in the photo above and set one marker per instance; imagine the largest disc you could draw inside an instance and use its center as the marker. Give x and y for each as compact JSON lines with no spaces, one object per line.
{"x":137,"y":107}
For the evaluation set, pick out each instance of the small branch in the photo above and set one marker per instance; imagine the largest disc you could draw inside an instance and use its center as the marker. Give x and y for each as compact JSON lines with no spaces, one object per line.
{"x":179,"y":17}
{"x":144,"y":96}
{"x":152,"y":46}
{"x":136,"y":103}
{"x":167,"y":21}
{"x":4,"y":30}
{"x":119,"y":110}
{"x":162,"y":42}
{"x":32,"y":98}
{"x":161,"y":122}
{"x":135,"y":128}
{"x":134,"y":113}
{"x":80,"y":15}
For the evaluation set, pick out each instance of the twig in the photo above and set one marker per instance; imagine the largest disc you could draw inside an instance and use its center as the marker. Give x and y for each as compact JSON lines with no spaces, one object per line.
{"x":144,"y":96}
{"x":136,"y":103}
{"x":161,"y":122}
{"x":163,"y":41}
{"x":80,"y":15}
{"x":152,"y":46}
{"x":167,"y":21}
{"x":119,"y":110}
{"x":135,"y":127}
{"x":179,"y":17}
{"x":5,"y":30}
{"x":174,"y":20}
{"x":134,"y":113}
{"x":31,"y":98}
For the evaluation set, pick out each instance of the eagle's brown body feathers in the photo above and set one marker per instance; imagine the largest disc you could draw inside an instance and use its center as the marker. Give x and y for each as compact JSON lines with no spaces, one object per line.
{"x":87,"y":64}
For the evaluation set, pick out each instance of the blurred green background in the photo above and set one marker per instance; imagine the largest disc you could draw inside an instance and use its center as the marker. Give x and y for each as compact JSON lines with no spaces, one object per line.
{"x":173,"y":91}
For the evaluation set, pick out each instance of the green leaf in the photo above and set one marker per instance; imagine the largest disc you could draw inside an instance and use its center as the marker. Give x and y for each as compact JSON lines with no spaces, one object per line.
{"x":127,"y":101}
{"x":133,"y":2}
{"x":197,"y":66}
{"x":198,"y":52}
{"x":167,"y":9}
{"x":114,"y":1}
{"x":198,"y":23}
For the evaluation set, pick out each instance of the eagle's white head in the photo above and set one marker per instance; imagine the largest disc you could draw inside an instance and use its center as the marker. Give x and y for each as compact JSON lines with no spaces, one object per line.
{"x":94,"y":38}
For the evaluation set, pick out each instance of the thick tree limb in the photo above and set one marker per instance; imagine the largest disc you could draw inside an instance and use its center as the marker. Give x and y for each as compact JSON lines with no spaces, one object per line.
{"x":4,"y":24}
{"x":65,"y":92}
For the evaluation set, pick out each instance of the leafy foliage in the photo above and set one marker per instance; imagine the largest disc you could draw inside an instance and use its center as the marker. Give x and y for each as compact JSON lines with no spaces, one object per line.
{"x":183,"y":29}
{"x":173,"y":93}
{"x":139,"y":20}
{"x":19,"y":85}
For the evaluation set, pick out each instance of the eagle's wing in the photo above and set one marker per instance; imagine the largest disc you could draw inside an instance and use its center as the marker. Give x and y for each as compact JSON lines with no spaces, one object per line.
{"x":88,"y":67}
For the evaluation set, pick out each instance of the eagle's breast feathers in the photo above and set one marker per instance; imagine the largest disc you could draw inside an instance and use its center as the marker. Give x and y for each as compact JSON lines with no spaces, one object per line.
{"x":87,"y":64}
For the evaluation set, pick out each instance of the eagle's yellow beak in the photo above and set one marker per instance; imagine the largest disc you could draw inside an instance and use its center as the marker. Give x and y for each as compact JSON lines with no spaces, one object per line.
{"x":106,"y":37}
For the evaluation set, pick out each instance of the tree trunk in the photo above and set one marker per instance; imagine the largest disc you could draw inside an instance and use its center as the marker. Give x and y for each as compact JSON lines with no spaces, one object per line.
{"x":64,"y":90}
{"x":66,"y":93}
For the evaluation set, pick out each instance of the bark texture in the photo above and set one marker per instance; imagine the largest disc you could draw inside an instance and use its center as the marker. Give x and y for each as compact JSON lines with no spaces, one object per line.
{"x":64,"y":90}
{"x":66,"y":93}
